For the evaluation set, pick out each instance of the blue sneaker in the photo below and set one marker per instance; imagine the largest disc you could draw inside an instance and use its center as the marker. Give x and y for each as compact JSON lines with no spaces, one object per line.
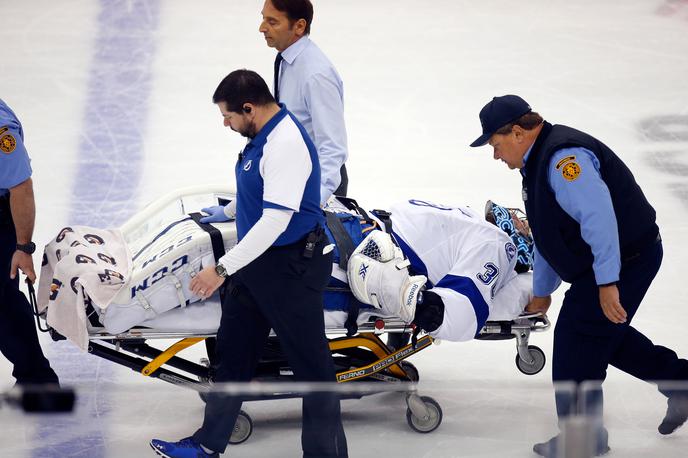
{"x":185,"y":448}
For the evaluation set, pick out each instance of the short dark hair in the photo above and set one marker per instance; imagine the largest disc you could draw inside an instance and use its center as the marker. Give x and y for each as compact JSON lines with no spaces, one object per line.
{"x":528,"y":121}
{"x":240,"y":87}
{"x":295,"y":10}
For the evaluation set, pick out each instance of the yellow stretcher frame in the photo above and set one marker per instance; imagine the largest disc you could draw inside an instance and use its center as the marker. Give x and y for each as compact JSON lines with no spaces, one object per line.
{"x":369,"y":340}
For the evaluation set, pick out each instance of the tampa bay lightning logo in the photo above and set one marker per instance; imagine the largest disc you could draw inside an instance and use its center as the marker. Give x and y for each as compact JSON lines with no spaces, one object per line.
{"x":247,"y":166}
{"x":363,"y":270}
{"x":510,"y":250}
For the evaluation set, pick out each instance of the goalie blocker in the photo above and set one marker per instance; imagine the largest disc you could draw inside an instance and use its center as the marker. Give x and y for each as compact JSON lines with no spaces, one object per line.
{"x":378,"y":275}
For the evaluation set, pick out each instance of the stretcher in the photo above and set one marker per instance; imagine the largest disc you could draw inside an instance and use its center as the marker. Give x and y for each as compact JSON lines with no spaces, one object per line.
{"x":363,"y":356}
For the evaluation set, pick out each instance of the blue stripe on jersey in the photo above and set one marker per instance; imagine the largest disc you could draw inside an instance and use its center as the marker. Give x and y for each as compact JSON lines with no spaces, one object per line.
{"x":417,"y":266}
{"x":465,"y":286}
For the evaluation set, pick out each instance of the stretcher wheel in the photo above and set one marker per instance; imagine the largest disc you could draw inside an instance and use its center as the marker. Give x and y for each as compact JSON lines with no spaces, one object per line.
{"x":242,"y":428}
{"x":410,"y":370}
{"x":429,"y":424}
{"x":538,"y":361}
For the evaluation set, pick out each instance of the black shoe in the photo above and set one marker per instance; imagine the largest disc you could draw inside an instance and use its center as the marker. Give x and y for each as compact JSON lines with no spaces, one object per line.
{"x":676,"y":414}
{"x":551,"y":448}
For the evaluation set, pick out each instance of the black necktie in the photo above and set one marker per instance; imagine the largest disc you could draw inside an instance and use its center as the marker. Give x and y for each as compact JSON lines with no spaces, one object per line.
{"x":278,"y":61}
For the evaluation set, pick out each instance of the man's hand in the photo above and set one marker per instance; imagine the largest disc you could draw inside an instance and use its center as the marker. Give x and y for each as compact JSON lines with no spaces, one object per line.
{"x":611,"y":306}
{"x":24,"y":262}
{"x":206,"y":282}
{"x":216,"y":214}
{"x":539,"y":304}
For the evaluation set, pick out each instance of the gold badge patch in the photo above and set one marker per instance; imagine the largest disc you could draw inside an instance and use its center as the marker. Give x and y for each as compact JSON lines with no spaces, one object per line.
{"x":7,"y":143}
{"x":571,"y":171}
{"x":564,"y":161}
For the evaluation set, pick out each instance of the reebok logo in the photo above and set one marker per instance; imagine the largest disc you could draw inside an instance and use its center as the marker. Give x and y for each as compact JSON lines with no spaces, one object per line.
{"x":363,"y":271}
{"x":411,"y":295}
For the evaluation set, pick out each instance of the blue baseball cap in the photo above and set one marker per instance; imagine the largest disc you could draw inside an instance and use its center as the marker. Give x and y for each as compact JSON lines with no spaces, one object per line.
{"x":499,"y":112}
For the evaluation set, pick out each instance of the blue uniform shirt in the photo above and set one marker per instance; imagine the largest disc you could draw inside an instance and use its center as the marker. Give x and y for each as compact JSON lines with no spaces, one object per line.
{"x":574,"y":176}
{"x":15,"y":165}
{"x":279,"y":168}
{"x":312,"y":90}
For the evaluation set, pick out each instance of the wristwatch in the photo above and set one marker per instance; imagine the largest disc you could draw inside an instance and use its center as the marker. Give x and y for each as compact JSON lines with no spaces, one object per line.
{"x":220,"y":270}
{"x":28,"y":248}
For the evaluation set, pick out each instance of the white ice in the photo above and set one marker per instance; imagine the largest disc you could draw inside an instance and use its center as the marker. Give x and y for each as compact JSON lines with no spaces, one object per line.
{"x":416,"y":75}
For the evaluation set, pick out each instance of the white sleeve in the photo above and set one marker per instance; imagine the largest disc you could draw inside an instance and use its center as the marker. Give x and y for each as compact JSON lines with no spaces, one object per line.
{"x":258,"y":239}
{"x":285,"y":168}
{"x":512,"y":298}
{"x":467,"y":291}
{"x":230,"y":209}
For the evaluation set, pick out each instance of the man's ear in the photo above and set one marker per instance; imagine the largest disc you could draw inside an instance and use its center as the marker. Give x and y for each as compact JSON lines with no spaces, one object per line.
{"x":300,"y":27}
{"x":518,"y":132}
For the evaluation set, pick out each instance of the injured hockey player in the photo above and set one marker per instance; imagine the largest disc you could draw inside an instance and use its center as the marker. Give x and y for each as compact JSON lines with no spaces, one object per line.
{"x":445,"y":269}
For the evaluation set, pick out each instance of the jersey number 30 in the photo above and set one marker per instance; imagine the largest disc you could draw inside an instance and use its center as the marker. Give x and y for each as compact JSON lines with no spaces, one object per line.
{"x":491,"y":272}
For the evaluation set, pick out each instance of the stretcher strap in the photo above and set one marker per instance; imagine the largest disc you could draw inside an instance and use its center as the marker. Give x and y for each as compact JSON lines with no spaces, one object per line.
{"x":215,"y":240}
{"x":351,"y":323}
{"x":215,"y":236}
{"x":385,"y":217}
{"x":341,"y":237}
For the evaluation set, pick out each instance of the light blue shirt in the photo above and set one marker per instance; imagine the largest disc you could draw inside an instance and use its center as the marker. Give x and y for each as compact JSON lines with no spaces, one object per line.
{"x":312,"y":90}
{"x":587,"y":200}
{"x":15,"y":165}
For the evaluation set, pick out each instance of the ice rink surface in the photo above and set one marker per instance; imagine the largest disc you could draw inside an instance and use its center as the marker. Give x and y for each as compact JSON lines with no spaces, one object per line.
{"x":115,"y":100}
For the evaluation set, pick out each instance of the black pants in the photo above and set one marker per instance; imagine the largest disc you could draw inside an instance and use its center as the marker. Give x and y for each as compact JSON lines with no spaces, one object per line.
{"x":280,"y":290}
{"x":344,"y":183}
{"x":586,"y":342}
{"x":18,"y":338}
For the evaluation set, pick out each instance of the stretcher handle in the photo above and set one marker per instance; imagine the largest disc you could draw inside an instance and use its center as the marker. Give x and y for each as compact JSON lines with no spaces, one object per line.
{"x":159,"y":204}
{"x":34,"y":307}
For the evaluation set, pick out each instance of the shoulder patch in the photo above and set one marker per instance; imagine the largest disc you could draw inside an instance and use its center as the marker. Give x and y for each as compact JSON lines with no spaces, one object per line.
{"x":571,"y":171}
{"x":564,"y":161}
{"x":7,"y":143}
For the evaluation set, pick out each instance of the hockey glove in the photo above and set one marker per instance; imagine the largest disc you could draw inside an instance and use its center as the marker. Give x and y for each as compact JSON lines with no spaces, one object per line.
{"x":429,"y":312}
{"x":385,"y":285}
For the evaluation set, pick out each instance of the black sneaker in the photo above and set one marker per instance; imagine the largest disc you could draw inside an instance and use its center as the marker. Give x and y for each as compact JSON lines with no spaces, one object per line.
{"x":676,"y":414}
{"x":551,"y":448}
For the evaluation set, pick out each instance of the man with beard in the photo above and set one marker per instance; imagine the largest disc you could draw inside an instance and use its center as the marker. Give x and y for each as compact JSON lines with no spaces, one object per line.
{"x":278,"y":271}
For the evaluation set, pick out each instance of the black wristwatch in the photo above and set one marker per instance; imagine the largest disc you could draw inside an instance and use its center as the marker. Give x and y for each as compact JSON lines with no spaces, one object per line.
{"x":220,"y":270}
{"x":28,"y":248}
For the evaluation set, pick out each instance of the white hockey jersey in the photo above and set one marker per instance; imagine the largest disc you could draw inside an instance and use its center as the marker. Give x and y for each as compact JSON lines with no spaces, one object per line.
{"x":467,"y":260}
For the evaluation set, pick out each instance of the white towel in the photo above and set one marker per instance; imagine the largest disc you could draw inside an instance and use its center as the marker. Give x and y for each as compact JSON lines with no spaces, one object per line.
{"x":80,"y":264}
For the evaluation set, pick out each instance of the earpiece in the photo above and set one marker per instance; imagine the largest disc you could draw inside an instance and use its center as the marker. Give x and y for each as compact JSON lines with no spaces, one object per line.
{"x":246,"y":109}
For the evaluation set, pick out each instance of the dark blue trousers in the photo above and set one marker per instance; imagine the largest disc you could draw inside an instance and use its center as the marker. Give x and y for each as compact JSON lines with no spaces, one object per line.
{"x":281,"y":290}
{"x":586,"y":342}
{"x":18,"y":338}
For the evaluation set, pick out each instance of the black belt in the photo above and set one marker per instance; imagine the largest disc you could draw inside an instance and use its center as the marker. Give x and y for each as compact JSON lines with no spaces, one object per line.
{"x":308,"y":241}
